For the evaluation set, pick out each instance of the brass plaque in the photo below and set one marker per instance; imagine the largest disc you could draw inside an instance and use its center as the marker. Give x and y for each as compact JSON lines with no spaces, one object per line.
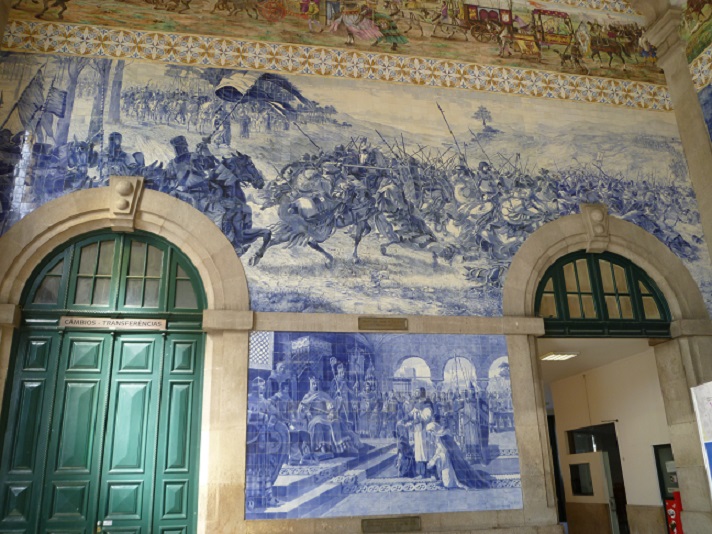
{"x":391,"y":524}
{"x":107,"y":323}
{"x":382,"y":323}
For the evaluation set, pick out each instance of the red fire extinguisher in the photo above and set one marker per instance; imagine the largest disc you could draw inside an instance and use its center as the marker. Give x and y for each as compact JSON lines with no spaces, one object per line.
{"x":673,"y":507}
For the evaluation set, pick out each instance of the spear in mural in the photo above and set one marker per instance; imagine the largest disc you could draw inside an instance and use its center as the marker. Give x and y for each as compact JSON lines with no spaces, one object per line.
{"x":386,"y":142}
{"x":457,"y":145}
{"x":306,"y":135}
{"x":474,"y":135}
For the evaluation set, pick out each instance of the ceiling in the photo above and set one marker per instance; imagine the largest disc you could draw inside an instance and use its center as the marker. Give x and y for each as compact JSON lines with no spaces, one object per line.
{"x":593,"y":353}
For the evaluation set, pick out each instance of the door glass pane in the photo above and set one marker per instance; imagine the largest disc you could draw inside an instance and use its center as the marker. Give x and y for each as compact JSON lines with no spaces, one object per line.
{"x":643,"y":289}
{"x":584,"y":279}
{"x":650,"y":308}
{"x":48,"y":292}
{"x":574,"y":307}
{"x":155,"y":261}
{"x":181,"y":273}
{"x":151,"y":294}
{"x":589,"y":310}
{"x":185,"y":296}
{"x":87,"y":259}
{"x":101,"y":291}
{"x":570,"y":277}
{"x":626,"y":308}
{"x":83,"y":292}
{"x":621,"y":283}
{"x":134,"y":292}
{"x":106,"y":257}
{"x":612,"y":306}
{"x":606,"y":276}
{"x":138,"y":255}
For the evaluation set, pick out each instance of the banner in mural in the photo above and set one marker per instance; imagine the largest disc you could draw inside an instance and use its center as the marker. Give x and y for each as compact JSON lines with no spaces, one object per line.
{"x":596,"y":38}
{"x":369,"y":424}
{"x":341,"y":195}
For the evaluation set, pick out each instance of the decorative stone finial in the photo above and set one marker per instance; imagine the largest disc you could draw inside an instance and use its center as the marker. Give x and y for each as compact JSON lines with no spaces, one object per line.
{"x":596,"y":217}
{"x":125,"y":195}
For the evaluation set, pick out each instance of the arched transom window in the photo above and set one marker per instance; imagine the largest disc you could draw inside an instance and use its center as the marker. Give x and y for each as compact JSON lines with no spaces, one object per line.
{"x":588,"y":295}
{"x":132,"y":274}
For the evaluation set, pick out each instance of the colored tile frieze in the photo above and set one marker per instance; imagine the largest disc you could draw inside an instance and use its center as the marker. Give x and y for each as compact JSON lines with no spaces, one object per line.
{"x":43,"y":37}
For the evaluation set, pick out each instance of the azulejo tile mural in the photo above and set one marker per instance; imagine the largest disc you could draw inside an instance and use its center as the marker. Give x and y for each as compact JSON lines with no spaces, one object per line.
{"x":347,"y":196}
{"x":352,"y":64}
{"x":374,"y":424}
{"x":701,"y":69}
{"x":580,"y":37}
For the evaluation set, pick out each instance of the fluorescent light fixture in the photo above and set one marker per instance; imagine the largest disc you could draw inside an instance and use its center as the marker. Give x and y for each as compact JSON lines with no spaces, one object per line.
{"x":558,"y":356}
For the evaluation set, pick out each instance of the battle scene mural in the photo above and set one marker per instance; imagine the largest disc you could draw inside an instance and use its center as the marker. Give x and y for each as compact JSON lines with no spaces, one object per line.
{"x":339,"y":195}
{"x":696,"y":27}
{"x":374,"y":424}
{"x":597,"y":38}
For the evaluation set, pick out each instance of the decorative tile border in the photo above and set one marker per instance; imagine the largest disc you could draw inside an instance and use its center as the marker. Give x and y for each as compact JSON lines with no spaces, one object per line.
{"x":617,"y":6}
{"x":52,"y":38}
{"x":701,"y":69}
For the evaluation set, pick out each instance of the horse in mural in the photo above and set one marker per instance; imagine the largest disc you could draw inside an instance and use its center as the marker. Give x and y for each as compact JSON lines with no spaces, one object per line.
{"x":611,"y":47}
{"x":46,"y":4}
{"x":228,"y":206}
{"x":308,"y":217}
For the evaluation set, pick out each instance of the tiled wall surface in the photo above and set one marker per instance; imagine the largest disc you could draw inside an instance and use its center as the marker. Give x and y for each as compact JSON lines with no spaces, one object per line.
{"x":344,"y":195}
{"x":579,"y":37}
{"x":353,"y":425}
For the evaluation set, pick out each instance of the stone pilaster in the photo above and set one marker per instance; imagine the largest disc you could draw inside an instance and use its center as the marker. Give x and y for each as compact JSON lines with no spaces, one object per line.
{"x":664,"y":34}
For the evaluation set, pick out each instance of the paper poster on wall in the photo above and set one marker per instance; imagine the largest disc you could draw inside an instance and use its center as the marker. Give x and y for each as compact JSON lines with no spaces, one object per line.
{"x":702,"y":399}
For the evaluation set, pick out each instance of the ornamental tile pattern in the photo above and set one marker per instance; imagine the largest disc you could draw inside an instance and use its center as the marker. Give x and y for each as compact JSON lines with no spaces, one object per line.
{"x":701,"y":69}
{"x":82,"y":40}
{"x":616,"y":6}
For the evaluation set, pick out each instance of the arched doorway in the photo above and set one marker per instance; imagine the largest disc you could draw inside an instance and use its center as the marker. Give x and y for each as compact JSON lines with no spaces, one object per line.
{"x":663,"y":363}
{"x":126,"y":206}
{"x":103,"y":415}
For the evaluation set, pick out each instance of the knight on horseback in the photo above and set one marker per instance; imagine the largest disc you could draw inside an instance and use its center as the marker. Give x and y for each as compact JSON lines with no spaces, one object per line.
{"x":186,"y":173}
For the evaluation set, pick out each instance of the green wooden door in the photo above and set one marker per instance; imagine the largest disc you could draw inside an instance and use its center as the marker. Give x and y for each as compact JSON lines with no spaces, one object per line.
{"x":129,"y":452}
{"x":72,"y":475}
{"x":104,"y":434}
{"x":101,"y":429}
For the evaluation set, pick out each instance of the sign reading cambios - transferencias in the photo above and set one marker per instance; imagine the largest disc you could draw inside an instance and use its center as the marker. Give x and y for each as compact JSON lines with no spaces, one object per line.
{"x":107,"y":323}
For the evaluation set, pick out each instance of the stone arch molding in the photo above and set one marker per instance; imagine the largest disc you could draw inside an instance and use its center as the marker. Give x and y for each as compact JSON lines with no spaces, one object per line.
{"x":124,"y":206}
{"x":595,"y":231}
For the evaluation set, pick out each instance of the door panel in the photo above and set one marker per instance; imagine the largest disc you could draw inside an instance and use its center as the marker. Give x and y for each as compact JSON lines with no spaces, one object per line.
{"x":126,"y":499}
{"x":176,"y":500}
{"x":25,"y":440}
{"x":116,"y":438}
{"x":77,"y":428}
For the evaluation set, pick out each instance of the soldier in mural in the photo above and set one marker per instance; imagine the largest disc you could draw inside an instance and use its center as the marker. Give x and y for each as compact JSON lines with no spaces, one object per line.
{"x":115,"y":161}
{"x":267,"y":447}
{"x":186,"y":173}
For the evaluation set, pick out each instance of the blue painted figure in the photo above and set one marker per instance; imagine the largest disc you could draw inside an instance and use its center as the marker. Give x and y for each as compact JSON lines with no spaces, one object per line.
{"x":267,"y":447}
{"x":453,"y":469}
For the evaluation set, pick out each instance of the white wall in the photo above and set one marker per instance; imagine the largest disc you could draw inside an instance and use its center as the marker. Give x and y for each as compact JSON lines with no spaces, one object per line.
{"x":627,"y":390}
